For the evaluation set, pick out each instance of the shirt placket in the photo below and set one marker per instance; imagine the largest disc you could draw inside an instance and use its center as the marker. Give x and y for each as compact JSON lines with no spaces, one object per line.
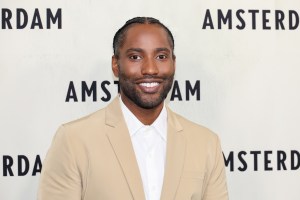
{"x":151,"y":165}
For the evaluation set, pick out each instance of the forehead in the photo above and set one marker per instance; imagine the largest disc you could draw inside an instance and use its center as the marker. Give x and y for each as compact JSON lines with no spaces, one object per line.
{"x":146,"y":35}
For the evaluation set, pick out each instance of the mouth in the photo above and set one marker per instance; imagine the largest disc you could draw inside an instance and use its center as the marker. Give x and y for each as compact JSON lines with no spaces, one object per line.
{"x":149,"y":87}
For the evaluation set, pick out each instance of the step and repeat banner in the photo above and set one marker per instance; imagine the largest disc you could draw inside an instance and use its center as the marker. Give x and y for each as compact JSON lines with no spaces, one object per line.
{"x":238,"y":69}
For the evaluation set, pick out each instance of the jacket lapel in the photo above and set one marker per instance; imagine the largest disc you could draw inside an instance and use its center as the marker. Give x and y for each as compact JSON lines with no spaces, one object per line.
{"x":175,"y":157}
{"x":121,"y":143}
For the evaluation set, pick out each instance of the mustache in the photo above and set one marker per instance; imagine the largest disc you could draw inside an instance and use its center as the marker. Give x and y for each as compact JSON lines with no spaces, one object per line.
{"x":152,"y":77}
{"x":147,"y":77}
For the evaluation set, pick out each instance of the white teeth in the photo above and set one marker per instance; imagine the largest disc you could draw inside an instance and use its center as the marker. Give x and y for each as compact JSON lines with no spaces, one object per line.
{"x":149,"y":84}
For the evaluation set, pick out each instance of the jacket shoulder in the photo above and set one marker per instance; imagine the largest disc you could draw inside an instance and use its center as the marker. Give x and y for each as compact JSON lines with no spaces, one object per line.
{"x":84,"y":127}
{"x":195,"y":131}
{"x":95,"y":117}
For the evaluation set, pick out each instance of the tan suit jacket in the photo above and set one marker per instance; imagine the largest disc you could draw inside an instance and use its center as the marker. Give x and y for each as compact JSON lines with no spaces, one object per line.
{"x":93,"y":159}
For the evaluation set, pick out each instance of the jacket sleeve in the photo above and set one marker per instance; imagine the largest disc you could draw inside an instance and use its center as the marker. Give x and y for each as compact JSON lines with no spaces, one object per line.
{"x":217,"y":186}
{"x":60,"y":178}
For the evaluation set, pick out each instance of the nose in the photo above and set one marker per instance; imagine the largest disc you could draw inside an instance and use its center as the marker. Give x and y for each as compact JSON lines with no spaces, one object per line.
{"x":149,"y":67}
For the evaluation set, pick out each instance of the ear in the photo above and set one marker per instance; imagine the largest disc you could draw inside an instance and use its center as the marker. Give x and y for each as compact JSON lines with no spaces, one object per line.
{"x":114,"y":65}
{"x":174,"y":60}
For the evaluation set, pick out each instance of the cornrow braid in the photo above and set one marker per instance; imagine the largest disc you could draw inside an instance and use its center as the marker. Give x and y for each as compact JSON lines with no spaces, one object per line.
{"x":121,"y":33}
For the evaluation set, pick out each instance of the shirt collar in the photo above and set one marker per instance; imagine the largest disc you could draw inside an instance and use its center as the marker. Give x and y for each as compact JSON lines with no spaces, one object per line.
{"x":133,"y":124}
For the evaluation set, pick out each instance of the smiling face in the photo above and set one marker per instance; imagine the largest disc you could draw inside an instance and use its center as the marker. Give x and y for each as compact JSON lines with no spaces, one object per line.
{"x":145,"y":66}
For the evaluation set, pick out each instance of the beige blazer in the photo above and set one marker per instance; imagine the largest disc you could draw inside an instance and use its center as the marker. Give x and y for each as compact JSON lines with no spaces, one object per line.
{"x":93,"y":159}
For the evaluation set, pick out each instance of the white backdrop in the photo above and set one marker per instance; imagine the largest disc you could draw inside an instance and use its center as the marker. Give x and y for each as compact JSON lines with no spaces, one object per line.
{"x":249,"y":83}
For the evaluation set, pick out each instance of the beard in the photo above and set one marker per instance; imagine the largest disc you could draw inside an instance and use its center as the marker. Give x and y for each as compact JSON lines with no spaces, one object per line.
{"x":131,"y":90}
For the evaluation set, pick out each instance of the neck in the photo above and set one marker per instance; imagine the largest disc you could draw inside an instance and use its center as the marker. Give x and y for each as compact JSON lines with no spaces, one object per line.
{"x":146,"y":116}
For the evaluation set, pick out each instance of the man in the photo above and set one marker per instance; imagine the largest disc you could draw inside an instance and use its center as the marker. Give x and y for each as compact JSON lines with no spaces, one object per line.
{"x":136,"y":147}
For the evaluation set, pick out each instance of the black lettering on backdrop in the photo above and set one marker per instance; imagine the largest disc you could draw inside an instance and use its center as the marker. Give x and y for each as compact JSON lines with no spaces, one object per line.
{"x":279,"y":17}
{"x":176,"y":92}
{"x":253,"y":14}
{"x":268,"y":161}
{"x":296,"y":17}
{"x":7,"y":164}
{"x":265,"y":19}
{"x":295,"y":163}
{"x":6,"y":16}
{"x":255,"y":155}
{"x":71,"y":93}
{"x":242,"y":19}
{"x":118,"y":85}
{"x":21,"y":23}
{"x":281,"y":157}
{"x":224,"y":19}
{"x":23,"y":165}
{"x":37,"y":168}
{"x":207,"y":22}
{"x":56,"y":18}
{"x":242,"y":160}
{"x":105,"y":90}
{"x":89,"y":92}
{"x":262,"y":160}
{"x":92,"y":90}
{"x":36,"y":19}
{"x":229,"y":161}
{"x":192,"y":90}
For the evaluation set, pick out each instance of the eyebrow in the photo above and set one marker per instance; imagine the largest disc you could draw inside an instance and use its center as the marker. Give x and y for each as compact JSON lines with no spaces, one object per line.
{"x":141,"y":50}
{"x":163,"y":49}
{"x":134,"y":49}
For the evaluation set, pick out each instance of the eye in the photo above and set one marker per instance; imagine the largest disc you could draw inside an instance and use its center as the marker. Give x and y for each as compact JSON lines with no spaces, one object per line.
{"x":135,"y":57}
{"x":162,"y":57}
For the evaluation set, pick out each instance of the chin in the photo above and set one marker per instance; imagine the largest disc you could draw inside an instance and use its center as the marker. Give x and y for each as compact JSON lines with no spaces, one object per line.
{"x":149,"y":104}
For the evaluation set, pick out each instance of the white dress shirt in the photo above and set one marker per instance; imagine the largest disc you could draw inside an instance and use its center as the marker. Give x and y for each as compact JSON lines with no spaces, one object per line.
{"x":149,"y":144}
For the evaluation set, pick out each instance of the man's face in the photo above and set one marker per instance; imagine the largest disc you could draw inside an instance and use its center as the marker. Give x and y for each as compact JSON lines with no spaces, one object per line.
{"x":145,"y":66}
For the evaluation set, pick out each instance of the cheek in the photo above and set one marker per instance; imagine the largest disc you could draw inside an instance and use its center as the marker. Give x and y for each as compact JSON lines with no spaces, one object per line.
{"x":167,"y":69}
{"x":130,"y":69}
